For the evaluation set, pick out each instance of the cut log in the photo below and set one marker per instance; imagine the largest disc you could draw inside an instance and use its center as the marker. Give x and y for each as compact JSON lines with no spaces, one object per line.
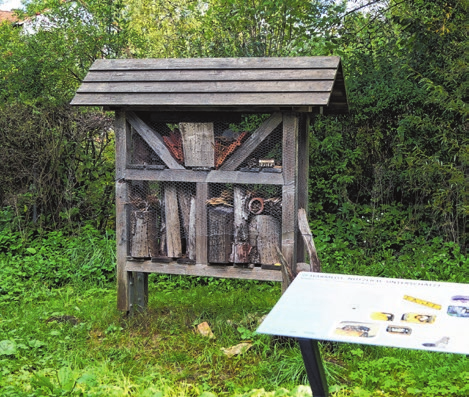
{"x":264,"y":235}
{"x":173,"y":233}
{"x":241,"y":247}
{"x":143,"y":242}
{"x":309,"y":242}
{"x":198,"y":142}
{"x":220,"y":226}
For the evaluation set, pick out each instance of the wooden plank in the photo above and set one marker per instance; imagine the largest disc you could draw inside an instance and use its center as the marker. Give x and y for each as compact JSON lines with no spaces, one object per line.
{"x":192,"y":238}
{"x":241,"y":247}
{"x":215,"y":176}
{"x":289,"y":190}
{"x":154,"y":140}
{"x":207,"y":86}
{"x":122,"y":245}
{"x":198,"y":141}
{"x":244,"y":109}
{"x":122,"y":133}
{"x":195,"y":117}
{"x":222,"y":63}
{"x":201,"y":254}
{"x":173,"y":229}
{"x":303,"y":171}
{"x":205,"y":99}
{"x":205,"y":270}
{"x":308,"y":240}
{"x":211,"y":75}
{"x":254,"y":140}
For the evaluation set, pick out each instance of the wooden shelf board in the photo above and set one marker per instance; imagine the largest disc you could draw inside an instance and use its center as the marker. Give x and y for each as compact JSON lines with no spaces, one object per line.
{"x":224,"y":271}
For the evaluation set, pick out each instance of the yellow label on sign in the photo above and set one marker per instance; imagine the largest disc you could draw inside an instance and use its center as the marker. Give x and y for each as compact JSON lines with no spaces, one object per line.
{"x":422,"y":302}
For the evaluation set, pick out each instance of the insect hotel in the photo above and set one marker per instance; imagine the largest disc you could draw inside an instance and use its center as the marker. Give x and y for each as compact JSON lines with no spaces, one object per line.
{"x":211,"y":162}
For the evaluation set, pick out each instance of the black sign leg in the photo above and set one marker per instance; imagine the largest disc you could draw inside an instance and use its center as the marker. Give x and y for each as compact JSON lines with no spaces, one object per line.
{"x":314,"y":368}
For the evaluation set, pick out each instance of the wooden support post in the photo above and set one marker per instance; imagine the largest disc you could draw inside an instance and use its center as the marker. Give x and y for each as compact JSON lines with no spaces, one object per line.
{"x":122,"y":132}
{"x":314,"y":367}
{"x":138,"y":291}
{"x":289,"y":192}
{"x":201,"y":224}
{"x":303,"y":171}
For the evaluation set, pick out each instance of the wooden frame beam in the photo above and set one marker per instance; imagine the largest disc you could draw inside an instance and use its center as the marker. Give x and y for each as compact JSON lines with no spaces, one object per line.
{"x":154,"y":140}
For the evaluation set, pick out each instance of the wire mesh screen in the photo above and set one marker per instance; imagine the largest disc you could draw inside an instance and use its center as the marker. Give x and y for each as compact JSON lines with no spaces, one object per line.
{"x":209,"y":145}
{"x":230,"y":223}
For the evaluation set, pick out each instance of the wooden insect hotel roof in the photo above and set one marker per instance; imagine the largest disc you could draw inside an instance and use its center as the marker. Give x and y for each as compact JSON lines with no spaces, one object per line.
{"x":302,"y":84}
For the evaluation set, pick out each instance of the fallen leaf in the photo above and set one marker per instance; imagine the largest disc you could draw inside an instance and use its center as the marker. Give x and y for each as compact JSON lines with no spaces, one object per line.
{"x":204,"y":330}
{"x":237,"y":349}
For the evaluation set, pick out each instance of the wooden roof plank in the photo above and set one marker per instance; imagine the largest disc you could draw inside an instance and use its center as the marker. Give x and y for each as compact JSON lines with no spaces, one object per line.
{"x":216,"y":63}
{"x":211,"y":75}
{"x":207,"y":86}
{"x":204,"y":99}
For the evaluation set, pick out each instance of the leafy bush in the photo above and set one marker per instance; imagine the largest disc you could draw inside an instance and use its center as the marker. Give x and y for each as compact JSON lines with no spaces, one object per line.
{"x":29,"y":261}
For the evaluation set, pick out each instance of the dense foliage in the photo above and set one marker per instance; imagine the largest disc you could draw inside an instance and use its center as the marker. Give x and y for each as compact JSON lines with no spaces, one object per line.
{"x":399,"y":160}
{"x":389,"y":195}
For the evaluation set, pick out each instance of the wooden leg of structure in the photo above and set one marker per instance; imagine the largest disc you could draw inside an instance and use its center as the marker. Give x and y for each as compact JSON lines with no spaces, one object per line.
{"x":289,"y":192}
{"x":314,"y":367}
{"x":138,"y":291}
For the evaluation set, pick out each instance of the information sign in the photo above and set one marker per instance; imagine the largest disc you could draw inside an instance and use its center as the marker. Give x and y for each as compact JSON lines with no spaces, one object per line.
{"x":410,"y":314}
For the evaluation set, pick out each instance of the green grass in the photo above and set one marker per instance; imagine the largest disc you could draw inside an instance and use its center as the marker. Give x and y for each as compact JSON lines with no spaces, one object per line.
{"x":97,"y":351}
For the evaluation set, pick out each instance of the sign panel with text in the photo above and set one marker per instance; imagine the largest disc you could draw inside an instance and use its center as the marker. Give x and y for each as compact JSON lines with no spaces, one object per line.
{"x":411,"y":314}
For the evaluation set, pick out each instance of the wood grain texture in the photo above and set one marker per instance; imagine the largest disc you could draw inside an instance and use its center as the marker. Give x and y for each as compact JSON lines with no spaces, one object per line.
{"x":264,"y":236}
{"x":303,"y":175}
{"x":206,"y":86}
{"x":173,"y":229}
{"x":204,"y":99}
{"x":154,"y":140}
{"x":217,"y":63}
{"x":254,"y":140}
{"x":122,"y":133}
{"x":205,"y":270}
{"x":198,"y":142}
{"x":289,"y":190}
{"x":122,"y":246}
{"x":201,"y":255}
{"x":241,"y":247}
{"x":216,"y":176}
{"x":220,"y":234}
{"x":308,"y":240}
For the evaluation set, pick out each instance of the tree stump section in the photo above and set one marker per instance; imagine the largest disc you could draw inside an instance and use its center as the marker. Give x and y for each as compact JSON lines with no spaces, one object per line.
{"x":241,"y":247}
{"x":264,"y":237}
{"x":220,"y":238}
